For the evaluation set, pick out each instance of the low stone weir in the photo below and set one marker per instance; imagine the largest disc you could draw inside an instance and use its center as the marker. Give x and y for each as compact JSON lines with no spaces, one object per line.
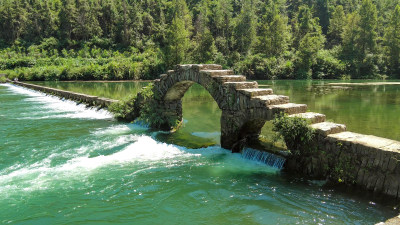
{"x":78,"y":97}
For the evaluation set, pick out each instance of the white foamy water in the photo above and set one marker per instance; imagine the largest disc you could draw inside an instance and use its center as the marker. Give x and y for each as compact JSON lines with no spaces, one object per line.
{"x":40,"y":175}
{"x":114,"y":146}
{"x":119,"y":129}
{"x":57,"y":107}
{"x":20,"y":90}
{"x":143,"y":154}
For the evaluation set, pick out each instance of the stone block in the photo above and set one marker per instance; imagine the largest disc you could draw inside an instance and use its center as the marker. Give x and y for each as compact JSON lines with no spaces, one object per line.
{"x":214,"y":73}
{"x":267,"y":100}
{"x":371,"y":181}
{"x":241,"y":85}
{"x":393,"y":162}
{"x":229,"y":78}
{"x":289,"y":108}
{"x":206,"y":67}
{"x":391,"y":185}
{"x":393,"y":147}
{"x":253,"y":92}
{"x":360,"y":177}
{"x":311,"y":116}
{"x":326,"y":128}
{"x":379,"y":182}
{"x":374,"y":142}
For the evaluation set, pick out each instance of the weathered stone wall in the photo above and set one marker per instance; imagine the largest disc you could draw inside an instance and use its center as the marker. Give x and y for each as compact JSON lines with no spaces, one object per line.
{"x":369,"y":162}
{"x":78,"y":97}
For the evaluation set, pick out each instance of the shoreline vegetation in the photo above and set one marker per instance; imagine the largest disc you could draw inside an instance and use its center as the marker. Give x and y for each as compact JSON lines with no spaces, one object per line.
{"x":102,"y":81}
{"x":273,"y":39}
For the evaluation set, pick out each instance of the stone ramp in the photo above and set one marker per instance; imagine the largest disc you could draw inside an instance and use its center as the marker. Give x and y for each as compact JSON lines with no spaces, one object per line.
{"x":78,"y":97}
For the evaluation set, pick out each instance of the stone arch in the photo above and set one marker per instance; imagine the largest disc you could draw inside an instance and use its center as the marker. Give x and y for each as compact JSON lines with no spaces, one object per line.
{"x":245,"y":107}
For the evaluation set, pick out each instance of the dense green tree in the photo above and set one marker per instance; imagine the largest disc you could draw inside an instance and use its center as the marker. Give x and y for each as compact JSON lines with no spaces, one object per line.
{"x":336,"y":26}
{"x":67,"y":18}
{"x":107,"y":17}
{"x":308,"y":41}
{"x":274,"y":33}
{"x":41,"y":21}
{"x":128,"y":23}
{"x":13,"y":18}
{"x":392,"y":43}
{"x":204,"y":40}
{"x":350,"y":36}
{"x":323,"y":13}
{"x":367,"y":26}
{"x":262,"y":38}
{"x":359,"y":40}
{"x":309,"y":46}
{"x":245,"y":28}
{"x":221,"y":25}
{"x":205,"y":47}
{"x":180,"y":9}
{"x":303,"y":24}
{"x":177,"y":42}
{"x":86,"y":22}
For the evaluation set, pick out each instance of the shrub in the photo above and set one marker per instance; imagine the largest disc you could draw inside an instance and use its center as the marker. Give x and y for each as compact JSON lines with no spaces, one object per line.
{"x":125,"y":109}
{"x":260,"y":67}
{"x":296,"y":132}
{"x":327,"y":66}
{"x":3,"y":79}
{"x":146,"y":108}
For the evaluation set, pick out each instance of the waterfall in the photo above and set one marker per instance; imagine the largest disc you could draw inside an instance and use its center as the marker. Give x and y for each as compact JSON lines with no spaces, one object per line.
{"x":263,"y":157}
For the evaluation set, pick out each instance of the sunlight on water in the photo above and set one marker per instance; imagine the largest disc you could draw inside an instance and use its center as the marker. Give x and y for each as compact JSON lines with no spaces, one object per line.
{"x":58,"y":108}
{"x":66,"y":164}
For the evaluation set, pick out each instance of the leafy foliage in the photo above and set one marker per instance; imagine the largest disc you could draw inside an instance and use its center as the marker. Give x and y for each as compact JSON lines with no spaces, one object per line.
{"x":146,"y":108}
{"x":296,"y":132}
{"x":271,"y":39}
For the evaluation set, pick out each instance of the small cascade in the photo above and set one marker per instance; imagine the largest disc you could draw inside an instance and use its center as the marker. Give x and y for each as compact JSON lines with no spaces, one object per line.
{"x":264,"y":157}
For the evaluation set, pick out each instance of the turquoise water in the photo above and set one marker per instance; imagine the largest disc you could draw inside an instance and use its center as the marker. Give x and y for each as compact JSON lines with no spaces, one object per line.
{"x":61,"y":163}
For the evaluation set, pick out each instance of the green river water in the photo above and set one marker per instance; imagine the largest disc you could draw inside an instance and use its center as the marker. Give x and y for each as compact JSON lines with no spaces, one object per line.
{"x":62,"y":163}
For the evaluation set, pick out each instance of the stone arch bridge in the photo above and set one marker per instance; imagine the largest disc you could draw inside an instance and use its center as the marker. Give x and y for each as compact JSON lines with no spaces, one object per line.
{"x":369,"y":162}
{"x":245,"y":107}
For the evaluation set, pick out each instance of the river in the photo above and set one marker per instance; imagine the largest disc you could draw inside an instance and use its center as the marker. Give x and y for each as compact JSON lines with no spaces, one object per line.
{"x":62,"y":163}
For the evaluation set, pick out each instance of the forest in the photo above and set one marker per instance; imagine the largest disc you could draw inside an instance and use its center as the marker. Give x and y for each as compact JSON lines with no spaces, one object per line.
{"x":262,"y":39}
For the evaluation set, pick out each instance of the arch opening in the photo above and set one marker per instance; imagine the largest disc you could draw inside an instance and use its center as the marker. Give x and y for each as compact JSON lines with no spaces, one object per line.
{"x":200,"y":116}
{"x":242,"y":113}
